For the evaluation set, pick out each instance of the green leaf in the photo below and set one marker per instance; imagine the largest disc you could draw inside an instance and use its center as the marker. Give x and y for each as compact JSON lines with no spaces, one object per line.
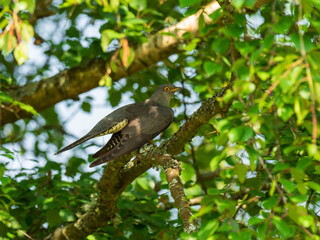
{"x":250,"y":3}
{"x":270,"y":203}
{"x":21,"y":53}
{"x":286,"y":84}
{"x":192,"y":45}
{"x":253,"y":157}
{"x":237,"y":3}
{"x":28,"y":5}
{"x":214,"y":191}
{"x":114,"y":97}
{"x":26,"y":107}
{"x":4,"y":181}
{"x":211,"y":68}
{"x":144,"y":183}
{"x":53,"y":218}
{"x":235,"y":134}
{"x":263,"y":75}
{"x":5,"y":97}
{"x":66,"y":215}
{"x":225,"y":205}
{"x":301,"y":112}
{"x":306,"y":221}
{"x":299,"y":198}
{"x":243,"y":235}
{"x":304,"y":162}
{"x":312,"y":149}
{"x":247,"y":87}
{"x":285,"y":113}
{"x":272,"y":187}
{"x":295,"y":38}
{"x":255,"y":220}
{"x":201,"y":24}
{"x":8,"y":154}
{"x":187,"y":3}
{"x":215,"y":15}
{"x":114,"y":4}
{"x":68,"y":3}
{"x":138,"y":5}
{"x":302,"y":188}
{"x":247,"y":134}
{"x":288,"y":185}
{"x":284,"y":229}
{"x":221,"y":45}
{"x":208,"y":229}
{"x":204,"y":210}
{"x":27,"y":31}
{"x":283,"y":24}
{"x":107,"y":36}
{"x":315,"y":186}
{"x":106,"y":80}
{"x":86,"y":107}
{"x":241,"y":171}
{"x":7,"y":43}
{"x":5,"y":4}
{"x":188,"y":173}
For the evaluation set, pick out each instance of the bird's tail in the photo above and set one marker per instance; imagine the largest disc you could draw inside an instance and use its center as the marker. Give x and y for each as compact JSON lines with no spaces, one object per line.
{"x":100,"y":161}
{"x":76,"y":143}
{"x":106,"y":154}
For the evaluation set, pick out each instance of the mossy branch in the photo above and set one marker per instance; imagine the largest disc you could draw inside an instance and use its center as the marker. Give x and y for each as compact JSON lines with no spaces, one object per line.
{"x":120,"y":173}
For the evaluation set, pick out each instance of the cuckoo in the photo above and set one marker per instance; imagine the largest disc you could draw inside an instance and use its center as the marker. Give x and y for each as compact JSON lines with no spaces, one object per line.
{"x":131,"y":126}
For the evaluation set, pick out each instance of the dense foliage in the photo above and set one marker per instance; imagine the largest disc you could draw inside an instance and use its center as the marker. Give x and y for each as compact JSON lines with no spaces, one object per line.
{"x":250,"y":173}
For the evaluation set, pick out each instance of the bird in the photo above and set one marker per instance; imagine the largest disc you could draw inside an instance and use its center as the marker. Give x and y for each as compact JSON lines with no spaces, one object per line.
{"x":131,"y":126}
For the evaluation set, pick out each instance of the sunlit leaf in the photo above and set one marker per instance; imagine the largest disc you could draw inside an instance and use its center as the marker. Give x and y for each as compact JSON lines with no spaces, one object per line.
{"x":138,"y":4}
{"x":27,"y":31}
{"x":28,"y":5}
{"x":107,"y":36}
{"x":21,"y":53}
{"x":7,"y":42}
{"x":237,"y":3}
{"x":66,"y":215}
{"x":241,"y":171}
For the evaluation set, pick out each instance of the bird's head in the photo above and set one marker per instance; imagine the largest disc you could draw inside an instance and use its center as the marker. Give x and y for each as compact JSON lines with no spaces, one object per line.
{"x":163,"y":94}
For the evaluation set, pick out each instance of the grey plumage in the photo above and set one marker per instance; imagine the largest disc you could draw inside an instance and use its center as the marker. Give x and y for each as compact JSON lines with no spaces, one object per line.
{"x":132,"y":125}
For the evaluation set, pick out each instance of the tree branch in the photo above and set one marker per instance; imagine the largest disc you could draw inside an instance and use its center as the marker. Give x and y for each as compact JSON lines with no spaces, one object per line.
{"x":119,"y":174}
{"x":70,"y":83}
{"x":173,"y":169}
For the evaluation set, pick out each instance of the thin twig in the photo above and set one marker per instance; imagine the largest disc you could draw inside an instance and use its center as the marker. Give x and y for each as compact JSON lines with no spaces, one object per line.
{"x":279,"y":190}
{"x":310,"y":81}
{"x":306,"y":231}
{"x":25,"y":234}
{"x":309,"y":199}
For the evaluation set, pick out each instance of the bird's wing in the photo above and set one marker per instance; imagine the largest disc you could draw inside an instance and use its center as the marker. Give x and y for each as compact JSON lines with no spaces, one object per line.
{"x":157,"y":119}
{"x":149,"y":121}
{"x":111,"y":123}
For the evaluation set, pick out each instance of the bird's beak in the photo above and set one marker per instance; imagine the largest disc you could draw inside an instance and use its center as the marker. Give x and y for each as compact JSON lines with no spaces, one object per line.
{"x":175,"y":89}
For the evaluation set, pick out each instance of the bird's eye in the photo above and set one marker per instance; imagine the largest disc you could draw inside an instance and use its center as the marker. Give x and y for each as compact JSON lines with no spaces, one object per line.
{"x":167,"y":89}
